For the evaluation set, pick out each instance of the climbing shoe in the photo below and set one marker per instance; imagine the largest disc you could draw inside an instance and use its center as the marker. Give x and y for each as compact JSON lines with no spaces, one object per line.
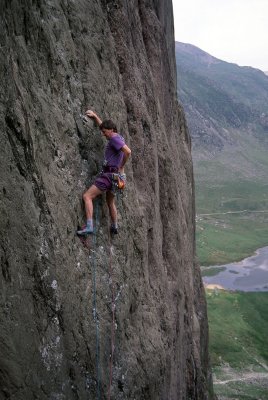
{"x":86,"y":229}
{"x":114,"y":229}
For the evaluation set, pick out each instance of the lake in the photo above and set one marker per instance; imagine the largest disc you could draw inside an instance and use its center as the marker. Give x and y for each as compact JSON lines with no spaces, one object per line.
{"x":248,"y":275}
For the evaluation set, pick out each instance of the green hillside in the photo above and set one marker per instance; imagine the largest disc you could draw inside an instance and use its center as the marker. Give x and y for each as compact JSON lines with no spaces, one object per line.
{"x":232,"y":220}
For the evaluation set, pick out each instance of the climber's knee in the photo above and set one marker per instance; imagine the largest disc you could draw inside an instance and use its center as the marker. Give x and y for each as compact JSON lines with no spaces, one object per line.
{"x":91,"y":193}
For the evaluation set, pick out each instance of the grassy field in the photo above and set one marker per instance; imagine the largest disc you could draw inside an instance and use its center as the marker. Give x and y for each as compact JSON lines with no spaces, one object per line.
{"x":225,"y":238}
{"x":227,"y":196}
{"x":238,"y":324}
{"x":232,"y":221}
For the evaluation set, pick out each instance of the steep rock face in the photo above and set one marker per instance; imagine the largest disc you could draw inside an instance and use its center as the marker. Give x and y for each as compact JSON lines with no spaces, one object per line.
{"x":57,"y":59}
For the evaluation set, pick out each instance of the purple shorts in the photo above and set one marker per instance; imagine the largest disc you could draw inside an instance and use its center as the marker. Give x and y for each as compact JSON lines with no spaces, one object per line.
{"x":104,"y":181}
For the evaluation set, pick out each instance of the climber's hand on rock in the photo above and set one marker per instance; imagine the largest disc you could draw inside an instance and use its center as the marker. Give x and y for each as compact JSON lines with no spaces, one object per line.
{"x":91,"y":114}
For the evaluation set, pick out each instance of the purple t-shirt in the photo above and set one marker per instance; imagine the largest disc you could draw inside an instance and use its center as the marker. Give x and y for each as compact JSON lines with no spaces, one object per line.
{"x":113,"y":154}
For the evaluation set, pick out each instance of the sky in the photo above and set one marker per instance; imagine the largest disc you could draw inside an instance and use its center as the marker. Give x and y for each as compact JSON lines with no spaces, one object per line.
{"x":232,"y":30}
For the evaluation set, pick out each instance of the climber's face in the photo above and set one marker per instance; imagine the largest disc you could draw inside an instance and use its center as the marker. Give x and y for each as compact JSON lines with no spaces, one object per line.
{"x":108,"y":133}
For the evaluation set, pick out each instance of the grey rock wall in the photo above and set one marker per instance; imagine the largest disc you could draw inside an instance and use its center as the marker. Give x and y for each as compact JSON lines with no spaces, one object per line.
{"x":58,"y":58}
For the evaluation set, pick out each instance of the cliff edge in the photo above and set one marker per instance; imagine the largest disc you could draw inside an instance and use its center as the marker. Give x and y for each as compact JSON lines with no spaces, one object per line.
{"x":58,"y":58}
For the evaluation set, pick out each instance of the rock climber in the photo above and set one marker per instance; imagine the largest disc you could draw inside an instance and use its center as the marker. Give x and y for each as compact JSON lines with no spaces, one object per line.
{"x":115,"y":157}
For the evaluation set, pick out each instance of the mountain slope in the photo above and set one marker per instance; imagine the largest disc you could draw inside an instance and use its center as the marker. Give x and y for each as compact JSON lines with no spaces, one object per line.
{"x":222,"y":101}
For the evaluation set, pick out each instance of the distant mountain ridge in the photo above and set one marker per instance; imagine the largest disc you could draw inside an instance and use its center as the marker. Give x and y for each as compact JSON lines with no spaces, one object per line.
{"x":200,"y":55}
{"x":226,"y":105}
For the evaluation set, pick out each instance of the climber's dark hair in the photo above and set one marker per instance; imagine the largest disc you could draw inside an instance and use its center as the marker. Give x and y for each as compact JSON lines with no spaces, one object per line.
{"x":108,"y":124}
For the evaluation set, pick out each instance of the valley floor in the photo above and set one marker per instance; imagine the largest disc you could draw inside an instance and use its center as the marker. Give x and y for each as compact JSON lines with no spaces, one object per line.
{"x":231,"y":384}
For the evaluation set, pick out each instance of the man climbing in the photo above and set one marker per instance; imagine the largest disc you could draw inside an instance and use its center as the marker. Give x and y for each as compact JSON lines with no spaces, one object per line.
{"x":116,"y":155}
